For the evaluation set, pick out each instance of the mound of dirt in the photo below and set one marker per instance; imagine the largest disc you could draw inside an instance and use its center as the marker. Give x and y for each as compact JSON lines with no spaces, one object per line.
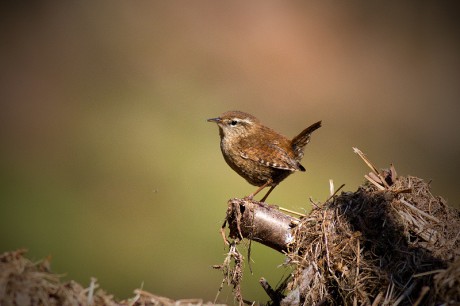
{"x":396,"y":246}
{"x":23,"y":282}
{"x":389,"y":243}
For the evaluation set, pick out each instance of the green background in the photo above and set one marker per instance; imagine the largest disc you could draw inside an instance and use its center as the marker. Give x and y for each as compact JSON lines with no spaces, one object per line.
{"x":108,"y":163}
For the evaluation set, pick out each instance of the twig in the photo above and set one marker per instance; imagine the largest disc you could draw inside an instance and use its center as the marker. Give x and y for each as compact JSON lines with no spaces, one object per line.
{"x":137,"y":296}
{"x":404,"y":295}
{"x":313,"y":202}
{"x":402,"y":200}
{"x":374,"y":182}
{"x":222,"y":232}
{"x":291,"y":212}
{"x":338,"y":189}
{"x":377,"y":299}
{"x":423,"y":292}
{"x":428,"y":273}
{"x":366,"y":160}
{"x":331,"y":187}
{"x":274,"y":296}
{"x":358,"y":256}
{"x":370,"y":165}
{"x":91,"y":289}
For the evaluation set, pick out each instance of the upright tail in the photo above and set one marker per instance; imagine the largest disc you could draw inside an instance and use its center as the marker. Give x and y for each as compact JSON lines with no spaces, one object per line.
{"x":300,"y":141}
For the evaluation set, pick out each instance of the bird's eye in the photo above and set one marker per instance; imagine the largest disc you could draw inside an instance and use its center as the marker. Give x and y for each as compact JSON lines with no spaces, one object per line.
{"x":233,"y":122}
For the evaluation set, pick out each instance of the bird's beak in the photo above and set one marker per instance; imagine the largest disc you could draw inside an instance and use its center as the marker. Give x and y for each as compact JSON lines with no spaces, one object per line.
{"x":216,"y":120}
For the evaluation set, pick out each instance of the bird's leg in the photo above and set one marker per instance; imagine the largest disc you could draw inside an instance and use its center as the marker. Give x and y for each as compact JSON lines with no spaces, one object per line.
{"x":266,"y":195}
{"x":268,"y":183}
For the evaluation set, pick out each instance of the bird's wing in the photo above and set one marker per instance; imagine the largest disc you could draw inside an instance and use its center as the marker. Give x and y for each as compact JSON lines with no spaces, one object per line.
{"x":271,"y":155}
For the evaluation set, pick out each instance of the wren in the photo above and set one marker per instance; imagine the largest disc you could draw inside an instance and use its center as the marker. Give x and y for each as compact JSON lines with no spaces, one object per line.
{"x":257,"y":153}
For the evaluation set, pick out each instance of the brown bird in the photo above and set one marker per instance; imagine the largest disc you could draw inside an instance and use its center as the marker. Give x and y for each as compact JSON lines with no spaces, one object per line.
{"x":257,"y":153}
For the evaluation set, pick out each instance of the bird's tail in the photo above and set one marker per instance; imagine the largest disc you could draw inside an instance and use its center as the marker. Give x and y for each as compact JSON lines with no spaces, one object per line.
{"x":301,"y":140}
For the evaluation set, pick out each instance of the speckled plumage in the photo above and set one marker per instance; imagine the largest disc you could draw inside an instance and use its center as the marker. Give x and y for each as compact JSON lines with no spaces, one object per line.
{"x":257,"y":153}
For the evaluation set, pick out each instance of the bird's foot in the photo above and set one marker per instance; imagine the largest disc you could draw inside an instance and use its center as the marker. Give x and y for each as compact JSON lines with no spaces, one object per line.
{"x":249,"y":197}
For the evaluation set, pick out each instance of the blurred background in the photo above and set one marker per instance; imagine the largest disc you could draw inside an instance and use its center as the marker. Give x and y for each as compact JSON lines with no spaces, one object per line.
{"x":108,"y":163}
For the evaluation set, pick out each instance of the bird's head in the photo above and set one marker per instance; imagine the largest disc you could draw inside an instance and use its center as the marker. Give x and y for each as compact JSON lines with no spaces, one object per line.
{"x":235,"y":124}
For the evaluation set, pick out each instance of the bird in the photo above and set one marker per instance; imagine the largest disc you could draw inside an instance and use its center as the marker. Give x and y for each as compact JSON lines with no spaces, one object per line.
{"x":260,"y":155}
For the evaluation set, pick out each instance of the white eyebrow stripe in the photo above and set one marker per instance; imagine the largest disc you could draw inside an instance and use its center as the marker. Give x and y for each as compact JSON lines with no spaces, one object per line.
{"x":242,"y":120}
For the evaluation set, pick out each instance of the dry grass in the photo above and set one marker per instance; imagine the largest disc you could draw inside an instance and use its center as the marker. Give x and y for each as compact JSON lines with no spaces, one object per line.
{"x":377,"y":246}
{"x":389,"y":243}
{"x":23,"y":282}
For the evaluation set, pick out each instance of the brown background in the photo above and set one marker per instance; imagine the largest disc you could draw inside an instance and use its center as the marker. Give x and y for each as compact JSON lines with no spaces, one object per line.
{"x":107,"y":162}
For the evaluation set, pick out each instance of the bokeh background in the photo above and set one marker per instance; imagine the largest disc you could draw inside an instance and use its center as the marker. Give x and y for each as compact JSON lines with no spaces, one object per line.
{"x":108,"y":163}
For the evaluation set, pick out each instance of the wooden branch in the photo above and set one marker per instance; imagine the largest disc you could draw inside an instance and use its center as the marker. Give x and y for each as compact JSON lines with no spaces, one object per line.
{"x":275,"y":296}
{"x":260,"y":222}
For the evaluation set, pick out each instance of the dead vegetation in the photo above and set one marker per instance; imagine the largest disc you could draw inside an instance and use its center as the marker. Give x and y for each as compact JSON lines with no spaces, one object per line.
{"x":389,"y":243}
{"x":374,"y":247}
{"x":23,"y":282}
